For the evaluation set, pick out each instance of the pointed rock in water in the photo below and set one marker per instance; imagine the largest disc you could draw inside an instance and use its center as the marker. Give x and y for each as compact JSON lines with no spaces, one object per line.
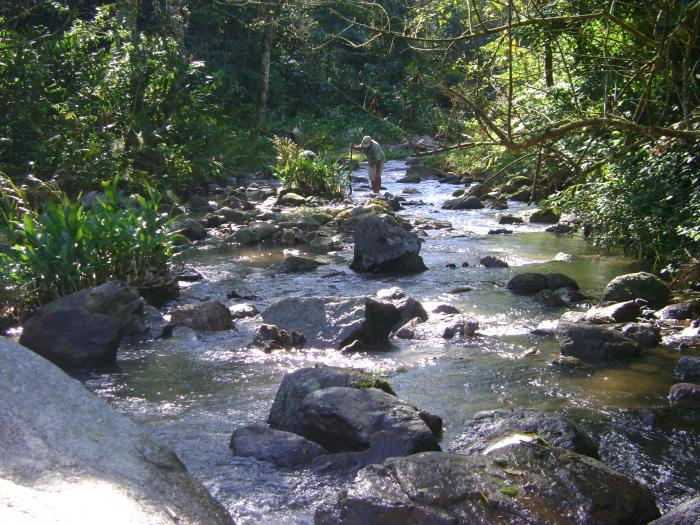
{"x":625,"y":312}
{"x":640,"y":285}
{"x":527,"y":484}
{"x":68,"y":457}
{"x":382,"y":244}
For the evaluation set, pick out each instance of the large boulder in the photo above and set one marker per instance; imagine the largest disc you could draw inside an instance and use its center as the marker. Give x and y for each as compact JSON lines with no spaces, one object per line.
{"x":409,"y":308}
{"x":297,"y":264}
{"x":114,"y":299}
{"x":207,"y":315}
{"x":644,"y":334}
{"x":594,"y":342}
{"x":527,"y":484}
{"x":528,"y":283}
{"x":286,"y":411}
{"x":344,"y":419}
{"x":489,"y":427}
{"x":67,"y":454}
{"x":624,"y":312}
{"x":334,"y":321}
{"x":284,"y":449}
{"x":445,"y":326}
{"x":640,"y":285}
{"x":463,"y":203}
{"x":73,"y":337}
{"x":382,"y":244}
{"x":688,"y":369}
{"x":255,"y":233}
{"x":684,"y":310}
{"x":545,"y":216}
{"x":687,"y":513}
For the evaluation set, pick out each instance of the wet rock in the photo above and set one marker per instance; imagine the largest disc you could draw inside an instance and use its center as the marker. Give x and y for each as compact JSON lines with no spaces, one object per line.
{"x":688,"y":369}
{"x":114,"y":299}
{"x":687,"y":513}
{"x":568,"y":361}
{"x":493,"y":262}
{"x":625,"y":312}
{"x":451,"y":266}
{"x":594,"y":342}
{"x":322,"y":244}
{"x":409,"y":308}
{"x":570,"y":295}
{"x":644,"y":334}
{"x":560,"y":228}
{"x":207,"y":315}
{"x":190,"y":229}
{"x":424,"y":172}
{"x":535,"y":485}
{"x":291,"y":199}
{"x":495,"y":203}
{"x":413,"y":178}
{"x":549,"y":299}
{"x":491,"y":426}
{"x":270,"y":338}
{"x":154,"y":321}
{"x":500,"y":231}
{"x":528,"y":283}
{"x":213,"y":220}
{"x":445,"y":309}
{"x":559,"y":280}
{"x":286,"y":411}
{"x":199,"y":204}
{"x":437,"y":327}
{"x":343,"y":419}
{"x":459,"y":326}
{"x":296,"y":264}
{"x":641,"y":285}
{"x":234,"y":216}
{"x":284,"y":449}
{"x":685,"y":395}
{"x":334,"y":321}
{"x":463,"y":203}
{"x":461,"y":289}
{"x":684,"y":310}
{"x":73,"y":338}
{"x":510,"y":219}
{"x":68,"y":457}
{"x":544,"y":216}
{"x":382,"y":244}
{"x":255,"y":233}
{"x":241,"y":311}
{"x":190,"y":275}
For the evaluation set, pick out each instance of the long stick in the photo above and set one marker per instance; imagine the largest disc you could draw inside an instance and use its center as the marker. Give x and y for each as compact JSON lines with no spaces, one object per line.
{"x":350,"y":174}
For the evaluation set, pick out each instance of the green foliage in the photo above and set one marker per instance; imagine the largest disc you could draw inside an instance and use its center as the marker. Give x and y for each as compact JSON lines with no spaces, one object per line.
{"x":63,"y":246}
{"x":307,"y":176}
{"x":648,"y":203}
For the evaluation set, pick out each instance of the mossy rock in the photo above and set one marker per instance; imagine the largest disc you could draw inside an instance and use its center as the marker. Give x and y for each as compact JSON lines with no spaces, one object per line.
{"x":545,"y":216}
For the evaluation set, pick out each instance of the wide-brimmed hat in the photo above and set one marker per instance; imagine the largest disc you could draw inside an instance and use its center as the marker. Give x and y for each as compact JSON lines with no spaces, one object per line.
{"x":366,"y":140}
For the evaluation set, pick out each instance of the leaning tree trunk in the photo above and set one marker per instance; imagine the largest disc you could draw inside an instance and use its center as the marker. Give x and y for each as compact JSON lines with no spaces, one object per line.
{"x":548,"y":65}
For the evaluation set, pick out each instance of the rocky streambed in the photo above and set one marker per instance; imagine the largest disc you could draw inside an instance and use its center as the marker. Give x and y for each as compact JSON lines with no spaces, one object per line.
{"x":248,"y":378}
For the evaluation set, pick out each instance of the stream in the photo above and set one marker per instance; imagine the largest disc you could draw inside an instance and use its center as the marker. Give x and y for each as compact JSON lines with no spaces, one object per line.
{"x":192,"y":390}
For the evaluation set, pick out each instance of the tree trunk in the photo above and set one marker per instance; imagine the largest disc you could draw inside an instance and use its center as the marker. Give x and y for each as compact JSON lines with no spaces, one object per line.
{"x":271,"y":14}
{"x":548,"y":65}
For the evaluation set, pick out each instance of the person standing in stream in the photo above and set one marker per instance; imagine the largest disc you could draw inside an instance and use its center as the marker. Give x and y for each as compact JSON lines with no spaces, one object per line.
{"x":375,"y":158}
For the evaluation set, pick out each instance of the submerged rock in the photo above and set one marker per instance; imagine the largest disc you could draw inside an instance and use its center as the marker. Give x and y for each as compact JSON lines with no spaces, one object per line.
{"x":270,"y":337}
{"x":688,"y":369}
{"x":594,"y":342}
{"x":528,"y":484}
{"x":284,"y":449}
{"x":640,"y":285}
{"x":334,"y":321}
{"x":68,"y":457}
{"x":488,"y":427}
{"x":382,"y":244}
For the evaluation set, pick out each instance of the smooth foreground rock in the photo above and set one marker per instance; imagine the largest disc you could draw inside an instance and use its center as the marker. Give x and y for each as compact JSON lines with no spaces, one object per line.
{"x":207,"y":315}
{"x":382,"y":244}
{"x":67,"y":457}
{"x":73,"y":338}
{"x":528,"y":484}
{"x":641,"y":285}
{"x":594,"y":342}
{"x":286,"y":411}
{"x":687,"y":513}
{"x":344,"y":419}
{"x":688,"y":369}
{"x":284,"y":449}
{"x":490,"y":426}
{"x":334,"y":321}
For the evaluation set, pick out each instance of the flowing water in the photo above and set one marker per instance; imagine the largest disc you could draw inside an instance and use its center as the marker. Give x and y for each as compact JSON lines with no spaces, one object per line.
{"x":192,"y":390}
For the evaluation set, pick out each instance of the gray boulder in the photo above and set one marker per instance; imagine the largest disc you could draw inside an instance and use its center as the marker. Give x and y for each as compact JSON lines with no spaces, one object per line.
{"x":408,"y":307}
{"x":286,"y":411}
{"x":688,"y":369}
{"x":640,"y":285}
{"x":491,"y":426}
{"x":235,"y":216}
{"x":687,"y":513}
{"x":510,"y":219}
{"x":528,"y":484}
{"x":685,"y":395}
{"x":190,"y":229}
{"x":67,"y":453}
{"x":463,"y":203}
{"x":334,"y":321}
{"x":382,"y":244}
{"x":644,"y":334}
{"x":207,"y":315}
{"x":73,"y":337}
{"x":344,"y":419}
{"x":528,"y":283}
{"x":425,"y":172}
{"x":594,"y":342}
{"x":625,"y":312}
{"x":684,"y":310}
{"x":559,"y":280}
{"x":296,"y":264}
{"x":449,"y":326}
{"x":549,"y":299}
{"x":255,"y":233}
{"x":114,"y":299}
{"x":413,"y":178}
{"x":284,"y":449}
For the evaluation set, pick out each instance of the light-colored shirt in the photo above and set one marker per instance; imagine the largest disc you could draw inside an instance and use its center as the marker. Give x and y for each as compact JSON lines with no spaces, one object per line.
{"x":373,"y":151}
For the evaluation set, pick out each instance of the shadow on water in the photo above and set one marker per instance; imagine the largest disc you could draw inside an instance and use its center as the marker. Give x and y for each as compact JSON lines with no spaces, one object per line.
{"x":192,"y":390}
